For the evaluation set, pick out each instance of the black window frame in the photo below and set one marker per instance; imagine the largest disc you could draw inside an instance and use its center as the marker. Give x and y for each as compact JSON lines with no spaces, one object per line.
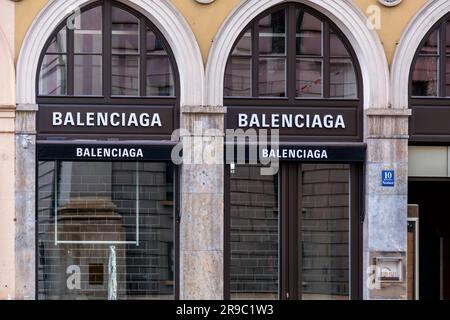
{"x":441,"y":98}
{"x":291,"y":98}
{"x":107,"y":97}
{"x":433,"y":103}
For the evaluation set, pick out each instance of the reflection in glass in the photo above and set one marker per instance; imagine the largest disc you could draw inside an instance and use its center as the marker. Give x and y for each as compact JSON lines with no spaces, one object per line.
{"x":160,"y":76}
{"x":254,"y":234}
{"x":272,"y":33}
{"x":447,"y":38}
{"x":238,"y":77}
{"x":308,"y":34}
{"x":447,"y":77}
{"x":431,"y":45}
{"x":59,"y":43}
{"x":125,"y":32}
{"x":84,"y":208}
{"x":87,"y":75}
{"x":53,"y":75}
{"x":425,"y":77}
{"x":272,"y":77}
{"x":125,"y":75}
{"x":337,"y":47}
{"x":154,"y":44}
{"x":342,"y":79}
{"x":325,"y":232}
{"x":244,"y":46}
{"x":88,"y":38}
{"x":309,"y":78}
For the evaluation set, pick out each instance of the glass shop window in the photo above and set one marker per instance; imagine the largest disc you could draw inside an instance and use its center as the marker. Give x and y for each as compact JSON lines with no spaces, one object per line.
{"x":105,"y":230}
{"x":266,"y":58}
{"x":111,"y":52}
{"x":431,"y":71}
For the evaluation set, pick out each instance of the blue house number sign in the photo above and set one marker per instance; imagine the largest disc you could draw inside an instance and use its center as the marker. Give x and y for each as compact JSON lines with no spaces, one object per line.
{"x":388,"y":178}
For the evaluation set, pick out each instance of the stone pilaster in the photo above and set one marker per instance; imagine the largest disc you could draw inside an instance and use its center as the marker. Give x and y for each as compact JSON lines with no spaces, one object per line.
{"x":7,"y":224}
{"x":385,"y":224}
{"x":202,"y":209}
{"x":25,"y":201}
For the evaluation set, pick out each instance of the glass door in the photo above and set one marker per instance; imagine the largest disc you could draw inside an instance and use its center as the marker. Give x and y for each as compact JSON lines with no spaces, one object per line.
{"x":295,"y":235}
{"x":325,"y":232}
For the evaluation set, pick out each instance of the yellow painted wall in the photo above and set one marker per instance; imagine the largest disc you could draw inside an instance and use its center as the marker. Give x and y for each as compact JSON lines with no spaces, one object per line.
{"x":393,"y":21}
{"x":205,"y":20}
{"x":26,"y":11}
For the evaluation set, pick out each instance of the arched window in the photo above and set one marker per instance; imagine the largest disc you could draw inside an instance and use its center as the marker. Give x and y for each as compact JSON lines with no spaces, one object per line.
{"x":291,"y":52}
{"x":106,"y":51}
{"x":429,"y":87}
{"x":430,"y":76}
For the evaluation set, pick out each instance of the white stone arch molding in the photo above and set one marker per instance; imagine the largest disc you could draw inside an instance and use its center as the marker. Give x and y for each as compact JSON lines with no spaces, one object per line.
{"x":161,"y":13}
{"x":349,"y":19}
{"x":417,"y":29}
{"x":7,"y":67}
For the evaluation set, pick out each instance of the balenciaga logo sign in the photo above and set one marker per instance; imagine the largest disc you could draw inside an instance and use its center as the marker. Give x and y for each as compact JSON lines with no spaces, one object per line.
{"x":276,"y":120}
{"x":300,"y":154}
{"x":105,"y":120}
{"x":103,"y":152}
{"x":339,"y":123}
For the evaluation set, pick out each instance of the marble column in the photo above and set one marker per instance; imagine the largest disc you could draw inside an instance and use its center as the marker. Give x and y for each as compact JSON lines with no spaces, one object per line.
{"x":25,"y":201}
{"x":202,"y":208}
{"x":385,"y":224}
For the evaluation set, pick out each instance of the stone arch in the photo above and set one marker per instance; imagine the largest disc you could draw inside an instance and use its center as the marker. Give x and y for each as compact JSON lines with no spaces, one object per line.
{"x":414,"y":33}
{"x":162,"y":13}
{"x":351,"y":21}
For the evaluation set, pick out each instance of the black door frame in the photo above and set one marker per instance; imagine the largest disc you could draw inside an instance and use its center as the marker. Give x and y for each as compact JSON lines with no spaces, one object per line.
{"x":290,"y":280}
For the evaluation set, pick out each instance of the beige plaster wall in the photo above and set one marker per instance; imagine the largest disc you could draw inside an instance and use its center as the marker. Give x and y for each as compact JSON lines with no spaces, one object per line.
{"x":7,"y":151}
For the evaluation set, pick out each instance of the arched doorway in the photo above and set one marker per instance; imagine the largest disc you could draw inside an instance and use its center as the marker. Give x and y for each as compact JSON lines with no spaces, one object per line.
{"x":295,"y":235}
{"x":107,"y":191}
{"x":429,"y":92}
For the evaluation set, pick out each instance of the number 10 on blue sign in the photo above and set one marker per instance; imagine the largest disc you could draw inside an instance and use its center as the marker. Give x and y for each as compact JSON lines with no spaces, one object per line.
{"x":388,"y":178}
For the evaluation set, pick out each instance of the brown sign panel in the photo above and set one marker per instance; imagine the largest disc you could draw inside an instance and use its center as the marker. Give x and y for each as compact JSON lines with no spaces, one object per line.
{"x":430,"y":123}
{"x":297,"y":122}
{"x":105,"y":120}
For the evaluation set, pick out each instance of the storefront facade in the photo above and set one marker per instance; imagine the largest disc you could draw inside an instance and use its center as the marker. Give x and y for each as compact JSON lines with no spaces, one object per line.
{"x":107,"y":205}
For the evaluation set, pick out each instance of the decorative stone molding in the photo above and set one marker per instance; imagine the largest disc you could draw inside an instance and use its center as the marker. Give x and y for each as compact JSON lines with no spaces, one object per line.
{"x":27,"y":107}
{"x":7,"y":79}
{"x":351,"y":21}
{"x":161,"y":12}
{"x":8,"y":107}
{"x":205,"y":1}
{"x":387,"y":123}
{"x":203,"y":109}
{"x":414,"y":33}
{"x":390,"y":3}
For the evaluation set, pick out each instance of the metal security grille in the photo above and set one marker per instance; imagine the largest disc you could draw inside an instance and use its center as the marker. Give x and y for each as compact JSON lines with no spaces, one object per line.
{"x":254,"y":234}
{"x":105,"y":229}
{"x":325,"y":231}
